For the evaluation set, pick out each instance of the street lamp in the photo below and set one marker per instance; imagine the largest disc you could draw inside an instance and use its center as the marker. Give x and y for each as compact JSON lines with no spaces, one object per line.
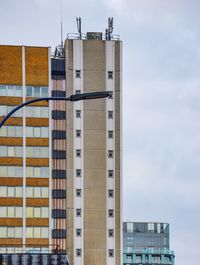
{"x":76,"y":97}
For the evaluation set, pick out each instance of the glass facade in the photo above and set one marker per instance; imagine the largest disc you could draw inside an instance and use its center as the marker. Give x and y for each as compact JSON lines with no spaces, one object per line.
{"x":146,"y":243}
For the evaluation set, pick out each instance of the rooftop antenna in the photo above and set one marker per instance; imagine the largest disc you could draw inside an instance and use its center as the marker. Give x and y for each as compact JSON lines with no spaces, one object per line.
{"x":78,"y":21}
{"x":59,"y":50}
{"x":61,"y":24}
{"x":109,"y":30}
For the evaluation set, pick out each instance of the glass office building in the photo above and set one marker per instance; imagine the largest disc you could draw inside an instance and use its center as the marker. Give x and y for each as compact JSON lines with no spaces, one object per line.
{"x":146,"y":243}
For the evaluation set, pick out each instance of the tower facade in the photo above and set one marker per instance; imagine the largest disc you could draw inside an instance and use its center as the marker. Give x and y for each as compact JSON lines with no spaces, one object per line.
{"x":93,"y":153}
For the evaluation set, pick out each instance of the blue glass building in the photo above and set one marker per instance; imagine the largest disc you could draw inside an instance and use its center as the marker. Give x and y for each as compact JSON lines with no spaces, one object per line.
{"x":146,"y":243}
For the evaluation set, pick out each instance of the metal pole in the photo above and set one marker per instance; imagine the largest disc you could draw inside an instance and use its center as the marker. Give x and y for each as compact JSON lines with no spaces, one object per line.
{"x":77,"y":97}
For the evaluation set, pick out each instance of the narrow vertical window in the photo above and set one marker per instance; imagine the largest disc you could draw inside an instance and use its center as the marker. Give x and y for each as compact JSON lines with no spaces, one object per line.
{"x":78,"y":73}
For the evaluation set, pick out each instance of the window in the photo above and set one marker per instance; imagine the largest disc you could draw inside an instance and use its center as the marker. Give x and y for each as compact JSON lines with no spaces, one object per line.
{"x":78,"y":192}
{"x":78,"y":252}
{"x":111,"y":253}
{"x":78,"y":152}
{"x":78,"y":133}
{"x":78,"y":73}
{"x":11,"y":232}
{"x":110,"y":193}
{"x":110,"y":134}
{"x":110,"y":74}
{"x":36,"y":91}
{"x":110,"y":213}
{"x":78,"y":232}
{"x":110,"y":114}
{"x":110,"y":153}
{"x":10,"y":90}
{"x":110,"y":173}
{"x":110,"y":94}
{"x":78,"y":172}
{"x":110,"y":232}
{"x":129,"y":227}
{"x":78,"y":92}
{"x":78,"y":212}
{"x":78,"y":113}
{"x":11,"y":192}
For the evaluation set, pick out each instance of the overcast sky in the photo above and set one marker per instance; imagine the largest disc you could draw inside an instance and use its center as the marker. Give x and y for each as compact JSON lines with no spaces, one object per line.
{"x":161,"y":99}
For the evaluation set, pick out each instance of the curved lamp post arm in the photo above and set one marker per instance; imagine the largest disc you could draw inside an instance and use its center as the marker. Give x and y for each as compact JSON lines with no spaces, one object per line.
{"x":76,"y":97}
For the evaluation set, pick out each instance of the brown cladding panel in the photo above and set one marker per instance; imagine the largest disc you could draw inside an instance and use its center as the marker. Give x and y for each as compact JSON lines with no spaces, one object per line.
{"x":37,"y":242}
{"x":11,"y":181}
{"x":13,"y":121}
{"x":10,"y":161}
{"x":37,"y":222}
{"x":11,"y":242}
{"x":10,"y":101}
{"x":37,"y":162}
{"x":37,"y":202}
{"x":38,"y":122}
{"x":14,"y":141}
{"x":37,"y":66}
{"x":11,"y":201}
{"x":37,"y":141}
{"x":11,"y":65}
{"x":37,"y":182}
{"x":11,"y":222}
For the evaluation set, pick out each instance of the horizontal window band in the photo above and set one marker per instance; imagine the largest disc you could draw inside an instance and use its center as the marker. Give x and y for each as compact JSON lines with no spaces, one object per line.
{"x":58,"y":233}
{"x":58,"y":93}
{"x":59,"y":214}
{"x":58,"y":134}
{"x":58,"y":115}
{"x":58,"y":194}
{"x":58,"y":154}
{"x":59,"y":174}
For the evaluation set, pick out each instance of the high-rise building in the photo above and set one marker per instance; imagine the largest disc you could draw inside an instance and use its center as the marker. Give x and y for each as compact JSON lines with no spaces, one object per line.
{"x":146,"y":243}
{"x":60,"y":180}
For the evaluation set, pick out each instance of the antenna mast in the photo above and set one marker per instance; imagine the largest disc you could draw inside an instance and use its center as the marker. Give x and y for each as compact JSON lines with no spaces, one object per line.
{"x":78,"y":21}
{"x":109,"y":30}
{"x":61,"y":24}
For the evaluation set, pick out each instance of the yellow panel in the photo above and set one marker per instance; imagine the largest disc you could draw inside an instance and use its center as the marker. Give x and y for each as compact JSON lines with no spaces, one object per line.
{"x":37,"y":66}
{"x":11,"y":65}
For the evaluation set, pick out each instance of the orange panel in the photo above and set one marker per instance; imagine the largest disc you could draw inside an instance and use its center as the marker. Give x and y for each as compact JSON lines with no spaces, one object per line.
{"x":37,"y":66}
{"x":10,"y":161}
{"x":11,"y":201}
{"x":38,"y":122}
{"x":11,"y":65}
{"x":11,"y":141}
{"x":10,"y":101}
{"x":37,"y":182}
{"x":37,"y":202}
{"x":37,"y":162}
{"x":11,"y":222}
{"x":37,"y":222}
{"x":13,"y":121}
{"x":37,"y":242}
{"x":37,"y":142}
{"x":39,"y":103}
{"x":10,"y":242}
{"x":11,"y":181}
